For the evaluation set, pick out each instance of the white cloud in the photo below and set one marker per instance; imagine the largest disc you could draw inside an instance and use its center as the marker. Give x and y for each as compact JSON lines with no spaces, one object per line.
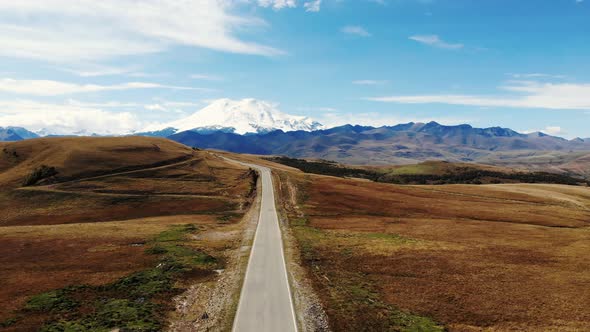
{"x":536,"y":75}
{"x":173,"y":107}
{"x":531,"y":94}
{"x":550,"y":130}
{"x":277,"y":4}
{"x":96,"y":71}
{"x":108,"y":104}
{"x":183,"y":103}
{"x":369,"y":82}
{"x":65,"y":31}
{"x":435,"y":41}
{"x":355,"y":30}
{"x":313,"y":6}
{"x":206,"y":77}
{"x":316,"y":109}
{"x":62,"y":119}
{"x":554,"y":130}
{"x":163,"y":108}
{"x":54,"y":88}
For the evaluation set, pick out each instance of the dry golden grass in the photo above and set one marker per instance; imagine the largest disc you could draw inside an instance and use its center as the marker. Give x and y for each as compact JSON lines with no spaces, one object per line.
{"x":437,"y":168}
{"x":75,"y":156}
{"x":492,"y":257}
{"x":118,"y":194}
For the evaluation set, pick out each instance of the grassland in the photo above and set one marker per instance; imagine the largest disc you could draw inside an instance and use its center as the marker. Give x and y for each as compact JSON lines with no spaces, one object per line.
{"x":430,"y":172}
{"x":120,"y":229}
{"x":382,"y":257}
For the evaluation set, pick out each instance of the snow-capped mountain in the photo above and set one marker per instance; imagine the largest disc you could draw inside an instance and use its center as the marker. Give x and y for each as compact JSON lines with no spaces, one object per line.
{"x":240,"y":117}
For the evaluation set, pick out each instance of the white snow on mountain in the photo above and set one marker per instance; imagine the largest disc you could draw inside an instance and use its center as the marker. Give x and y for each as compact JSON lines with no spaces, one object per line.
{"x":240,"y":117}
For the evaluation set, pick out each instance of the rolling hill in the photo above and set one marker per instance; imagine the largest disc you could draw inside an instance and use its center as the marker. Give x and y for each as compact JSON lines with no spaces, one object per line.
{"x":84,"y":156}
{"x":107,"y":238}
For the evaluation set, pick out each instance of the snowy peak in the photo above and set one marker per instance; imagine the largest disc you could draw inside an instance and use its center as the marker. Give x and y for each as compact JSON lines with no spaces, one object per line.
{"x":241,"y":117}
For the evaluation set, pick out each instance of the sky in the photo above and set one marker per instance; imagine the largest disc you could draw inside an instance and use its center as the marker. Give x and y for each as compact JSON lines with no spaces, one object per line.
{"x":117,"y":66}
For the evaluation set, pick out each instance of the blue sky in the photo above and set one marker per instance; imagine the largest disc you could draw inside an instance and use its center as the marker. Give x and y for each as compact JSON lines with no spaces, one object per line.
{"x":115,"y":66}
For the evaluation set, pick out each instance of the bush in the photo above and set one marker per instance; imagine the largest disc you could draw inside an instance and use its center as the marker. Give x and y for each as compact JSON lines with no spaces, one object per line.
{"x":38,"y":174}
{"x":57,"y":300}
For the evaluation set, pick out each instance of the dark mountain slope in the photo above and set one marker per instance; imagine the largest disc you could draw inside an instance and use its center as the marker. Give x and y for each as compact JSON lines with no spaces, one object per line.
{"x":15,"y":134}
{"x":404,"y":143}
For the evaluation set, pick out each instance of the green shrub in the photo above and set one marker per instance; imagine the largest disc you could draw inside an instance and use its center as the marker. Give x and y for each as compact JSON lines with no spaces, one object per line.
{"x":56,"y":300}
{"x":8,"y":322}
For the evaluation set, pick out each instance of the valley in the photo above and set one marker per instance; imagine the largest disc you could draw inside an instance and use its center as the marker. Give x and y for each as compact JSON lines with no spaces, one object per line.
{"x":148,"y":234}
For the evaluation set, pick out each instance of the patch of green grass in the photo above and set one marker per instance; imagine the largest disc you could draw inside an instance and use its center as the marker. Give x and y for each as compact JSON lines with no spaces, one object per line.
{"x":351,"y":293}
{"x":145,"y":283}
{"x":299,"y":222}
{"x":413,"y":169}
{"x":170,"y":245}
{"x":127,"y":315}
{"x":175,"y":233}
{"x":226,"y":218}
{"x":57,"y":300}
{"x":414,"y":323}
{"x":131,"y":303}
{"x":8,"y":322}
{"x":119,"y":314}
{"x":395,"y":238}
{"x":307,"y":237}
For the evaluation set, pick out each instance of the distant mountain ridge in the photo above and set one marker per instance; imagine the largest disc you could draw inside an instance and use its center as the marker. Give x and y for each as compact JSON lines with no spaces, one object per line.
{"x":403,"y":143}
{"x":400,"y":144}
{"x":15,"y":134}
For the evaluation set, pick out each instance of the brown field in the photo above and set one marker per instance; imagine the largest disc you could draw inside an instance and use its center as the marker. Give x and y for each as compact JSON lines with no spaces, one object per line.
{"x":470,"y":258}
{"x":91,"y":223}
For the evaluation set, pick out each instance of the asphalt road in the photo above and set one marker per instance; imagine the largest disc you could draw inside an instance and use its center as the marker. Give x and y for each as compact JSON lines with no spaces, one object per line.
{"x":265,"y":301}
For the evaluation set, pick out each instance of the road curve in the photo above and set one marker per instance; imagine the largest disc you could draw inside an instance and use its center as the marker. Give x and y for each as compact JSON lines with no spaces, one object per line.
{"x":265,"y":301}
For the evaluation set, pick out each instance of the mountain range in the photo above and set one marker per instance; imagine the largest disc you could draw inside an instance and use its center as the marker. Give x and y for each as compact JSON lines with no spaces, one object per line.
{"x":15,"y":134}
{"x":403,"y":143}
{"x":258,"y":127}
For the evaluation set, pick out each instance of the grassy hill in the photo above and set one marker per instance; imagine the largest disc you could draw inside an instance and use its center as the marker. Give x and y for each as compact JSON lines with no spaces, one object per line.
{"x":73,"y":157}
{"x":106,"y":239}
{"x":430,"y":172}
{"x":497,"y":257}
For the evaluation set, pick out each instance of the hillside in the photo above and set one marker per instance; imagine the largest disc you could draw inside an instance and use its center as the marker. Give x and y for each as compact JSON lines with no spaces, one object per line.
{"x":498,"y":257}
{"x":109,"y":238}
{"x":430,"y":172}
{"x":84,"y":156}
{"x":570,"y":162}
